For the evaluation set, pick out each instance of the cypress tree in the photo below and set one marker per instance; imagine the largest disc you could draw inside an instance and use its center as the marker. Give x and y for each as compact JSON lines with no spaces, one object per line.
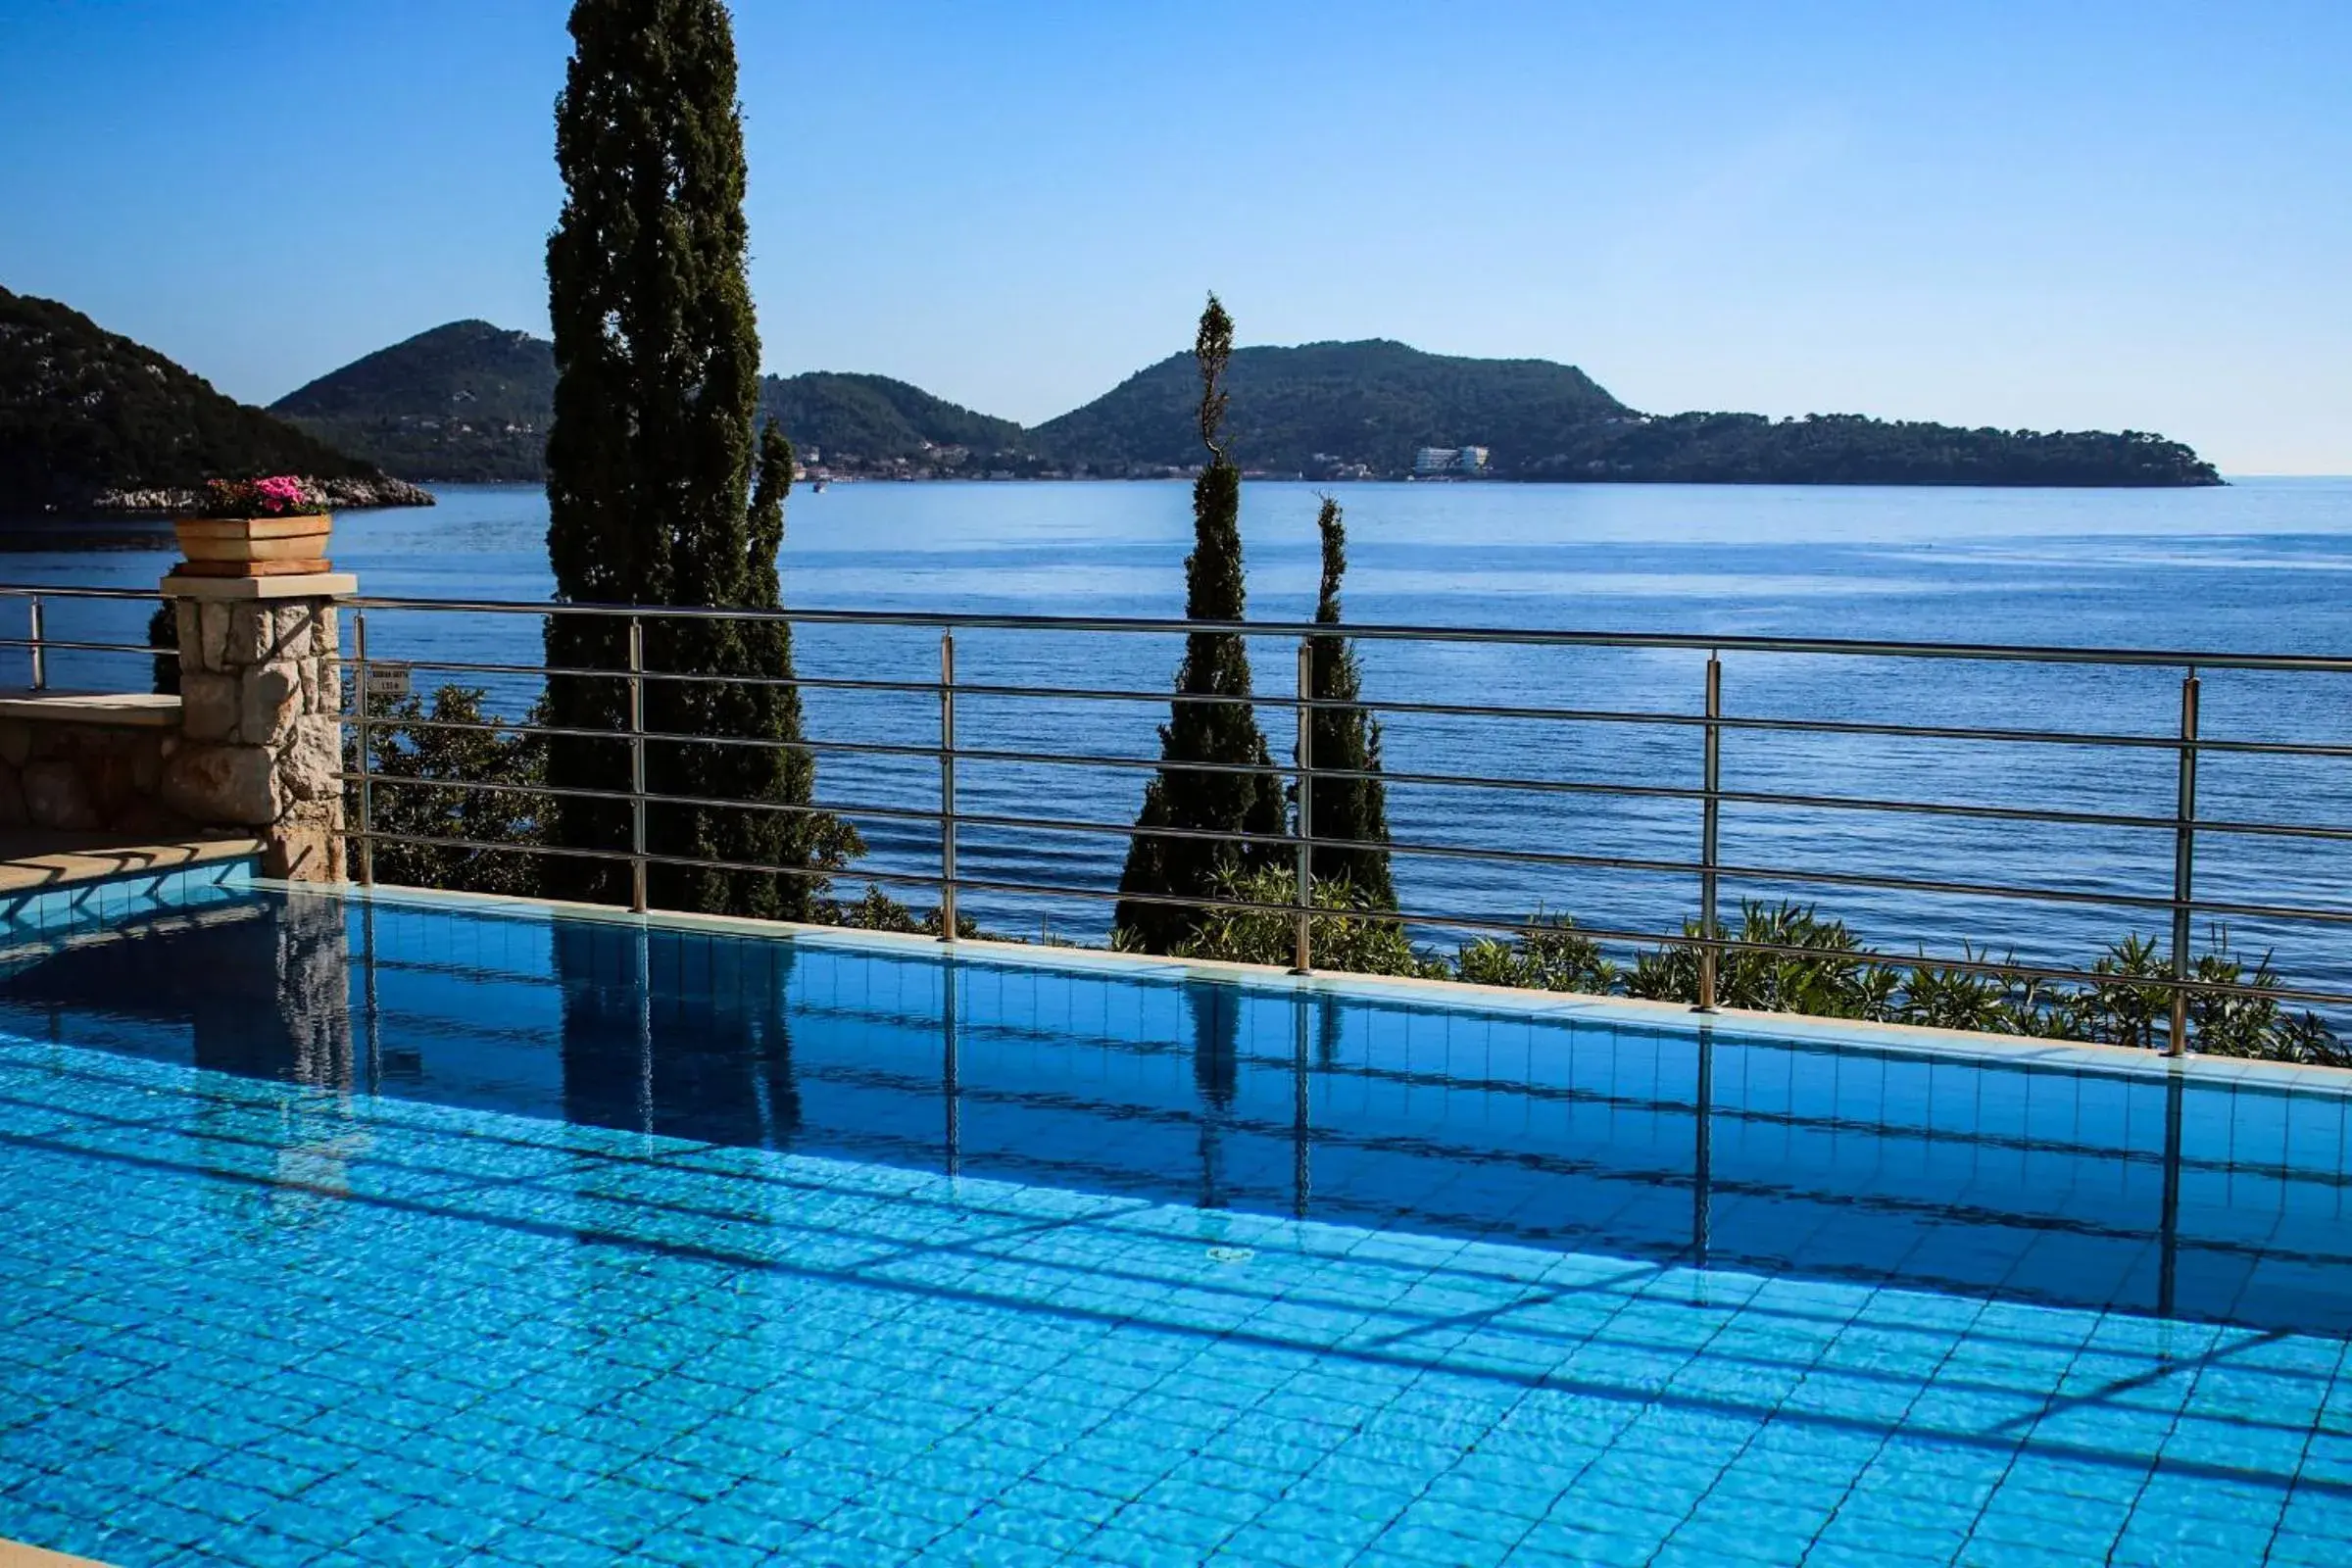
{"x":649,"y":462}
{"x":1345,"y":739}
{"x":1216,"y":664}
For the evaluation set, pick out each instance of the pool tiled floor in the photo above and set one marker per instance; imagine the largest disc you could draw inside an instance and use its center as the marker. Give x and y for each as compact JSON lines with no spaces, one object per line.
{"x":248,"y":1322}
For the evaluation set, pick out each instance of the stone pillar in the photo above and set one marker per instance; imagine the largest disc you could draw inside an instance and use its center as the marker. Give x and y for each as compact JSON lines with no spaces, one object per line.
{"x":261,"y":692}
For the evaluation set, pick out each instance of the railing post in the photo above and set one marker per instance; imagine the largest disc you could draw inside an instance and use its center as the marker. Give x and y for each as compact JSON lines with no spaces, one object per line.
{"x":359,"y":699}
{"x":637,"y":889}
{"x":1711,"y":814}
{"x":34,"y":636}
{"x":951,"y":1067}
{"x":947,"y":786}
{"x":1301,"y":1123}
{"x":2184,"y":856}
{"x":1303,"y":933}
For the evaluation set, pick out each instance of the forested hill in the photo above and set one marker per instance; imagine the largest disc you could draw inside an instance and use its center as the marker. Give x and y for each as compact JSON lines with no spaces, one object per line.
{"x":89,"y":419}
{"x":1332,"y":410}
{"x":1851,"y":449}
{"x":470,"y":402}
{"x":465,"y":401}
{"x":873,"y":419}
{"x":1307,"y":408}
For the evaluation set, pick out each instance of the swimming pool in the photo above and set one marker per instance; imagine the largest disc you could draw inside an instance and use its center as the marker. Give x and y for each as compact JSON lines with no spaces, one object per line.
{"x":423,"y":1230}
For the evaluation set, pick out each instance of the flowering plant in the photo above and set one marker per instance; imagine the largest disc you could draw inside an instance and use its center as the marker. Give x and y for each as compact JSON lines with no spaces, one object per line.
{"x":278,"y":496}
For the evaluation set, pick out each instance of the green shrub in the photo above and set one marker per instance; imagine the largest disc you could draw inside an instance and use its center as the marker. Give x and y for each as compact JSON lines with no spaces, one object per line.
{"x":1347,"y":932}
{"x":877,"y":911}
{"x":1550,"y":955}
{"x":451,"y":783}
{"x":1843,"y":981}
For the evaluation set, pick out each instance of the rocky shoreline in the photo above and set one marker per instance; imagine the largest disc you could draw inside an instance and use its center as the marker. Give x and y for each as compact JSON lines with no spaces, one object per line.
{"x":341,"y":495}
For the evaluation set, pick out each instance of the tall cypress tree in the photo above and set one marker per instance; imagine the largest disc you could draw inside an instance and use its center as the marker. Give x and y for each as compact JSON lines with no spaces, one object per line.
{"x":1346,"y":739}
{"x":1216,"y":664}
{"x":649,"y":463}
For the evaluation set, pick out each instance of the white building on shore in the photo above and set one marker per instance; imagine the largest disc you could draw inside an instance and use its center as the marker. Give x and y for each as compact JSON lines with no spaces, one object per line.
{"x":1431,"y":461}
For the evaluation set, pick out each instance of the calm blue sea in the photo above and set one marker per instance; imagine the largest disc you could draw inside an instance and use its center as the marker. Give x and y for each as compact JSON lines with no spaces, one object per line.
{"x":2258,"y":565}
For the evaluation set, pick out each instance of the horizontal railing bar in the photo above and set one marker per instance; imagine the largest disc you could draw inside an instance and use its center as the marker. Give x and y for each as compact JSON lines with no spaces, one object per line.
{"x":47,"y":591}
{"x":1466,"y":781}
{"x":2275,"y":747}
{"x":142,"y":649}
{"x":961,"y":620}
{"x":577,"y":672}
{"x":1564,"y":859}
{"x":574,"y":793}
{"x":1278,"y":702}
{"x":822,"y":808}
{"x":971,"y":621}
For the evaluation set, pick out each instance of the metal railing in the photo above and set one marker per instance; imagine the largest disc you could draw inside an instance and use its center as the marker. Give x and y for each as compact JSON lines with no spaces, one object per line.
{"x":1705,"y":936}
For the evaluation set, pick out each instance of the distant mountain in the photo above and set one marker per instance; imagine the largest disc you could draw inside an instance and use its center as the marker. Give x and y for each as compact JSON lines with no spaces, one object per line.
{"x":470,"y":401}
{"x":465,"y":402}
{"x":91,"y":420}
{"x":868,"y":420}
{"x":1851,"y":449}
{"x":1325,"y":404}
{"x":1334,"y":410}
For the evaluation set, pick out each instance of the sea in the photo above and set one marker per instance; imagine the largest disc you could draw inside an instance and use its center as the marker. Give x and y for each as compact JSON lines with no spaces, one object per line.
{"x":2259,"y":565}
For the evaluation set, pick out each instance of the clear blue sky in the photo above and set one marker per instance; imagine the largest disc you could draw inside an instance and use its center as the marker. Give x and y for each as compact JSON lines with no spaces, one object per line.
{"x":2076,"y":214}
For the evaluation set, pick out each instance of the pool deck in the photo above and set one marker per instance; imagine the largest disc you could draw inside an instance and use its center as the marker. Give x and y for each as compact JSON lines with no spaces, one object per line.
{"x":32,"y":859}
{"x":16,"y":1555}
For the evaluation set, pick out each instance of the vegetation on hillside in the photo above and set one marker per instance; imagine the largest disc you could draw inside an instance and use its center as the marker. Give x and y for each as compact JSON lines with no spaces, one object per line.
{"x":651,"y":495}
{"x":1235,"y":806}
{"x":84,"y":412}
{"x":1850,"y":449}
{"x":867,"y":423}
{"x":1328,"y":410}
{"x":1309,"y":409}
{"x":467,"y":402}
{"x":470,"y":402}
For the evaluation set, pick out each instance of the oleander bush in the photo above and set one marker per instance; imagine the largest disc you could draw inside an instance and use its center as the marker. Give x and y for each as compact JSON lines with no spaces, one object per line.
{"x":1348,"y":930}
{"x":1550,"y":955}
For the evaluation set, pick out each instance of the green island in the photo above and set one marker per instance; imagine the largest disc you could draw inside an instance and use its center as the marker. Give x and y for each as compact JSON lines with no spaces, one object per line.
{"x":92,"y":421}
{"x":471,"y":402}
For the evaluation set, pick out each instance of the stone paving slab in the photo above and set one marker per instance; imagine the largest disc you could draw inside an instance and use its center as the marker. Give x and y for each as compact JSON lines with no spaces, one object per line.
{"x":31,"y":859}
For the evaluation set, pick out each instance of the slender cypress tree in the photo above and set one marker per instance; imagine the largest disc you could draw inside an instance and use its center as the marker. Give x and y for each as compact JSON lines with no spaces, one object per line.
{"x":1216,"y":664}
{"x":1345,"y":739}
{"x":649,"y":462}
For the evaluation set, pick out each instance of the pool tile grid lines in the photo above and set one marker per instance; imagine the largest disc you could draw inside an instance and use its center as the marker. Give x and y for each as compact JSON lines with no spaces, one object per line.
{"x":487,"y":1335}
{"x":30,"y":921}
{"x":1672,"y":1019}
{"x":742,"y":1402}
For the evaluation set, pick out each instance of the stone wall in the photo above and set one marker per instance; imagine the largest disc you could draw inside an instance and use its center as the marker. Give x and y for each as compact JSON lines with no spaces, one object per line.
{"x":74,"y":773}
{"x":260,"y":744}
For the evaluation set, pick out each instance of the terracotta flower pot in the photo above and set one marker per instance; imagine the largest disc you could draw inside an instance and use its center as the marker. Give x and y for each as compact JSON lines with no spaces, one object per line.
{"x":253,"y":547}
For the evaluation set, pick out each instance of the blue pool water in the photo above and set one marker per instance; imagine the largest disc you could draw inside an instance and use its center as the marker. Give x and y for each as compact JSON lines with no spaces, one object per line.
{"x":411,"y":1231}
